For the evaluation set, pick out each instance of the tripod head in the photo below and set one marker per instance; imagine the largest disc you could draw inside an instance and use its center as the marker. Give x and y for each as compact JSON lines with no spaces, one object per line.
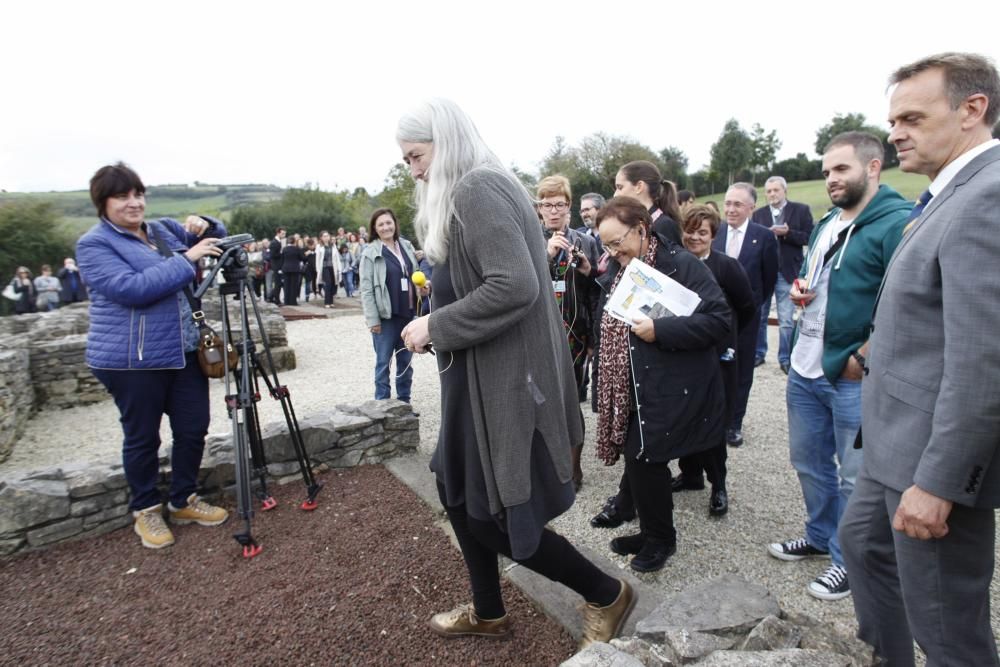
{"x":233,"y":261}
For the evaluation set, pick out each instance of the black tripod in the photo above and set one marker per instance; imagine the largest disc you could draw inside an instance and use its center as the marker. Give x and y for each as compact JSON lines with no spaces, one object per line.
{"x":247,"y":442}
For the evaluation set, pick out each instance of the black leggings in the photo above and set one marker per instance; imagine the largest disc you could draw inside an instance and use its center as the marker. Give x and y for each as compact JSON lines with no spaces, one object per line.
{"x":555,"y":559}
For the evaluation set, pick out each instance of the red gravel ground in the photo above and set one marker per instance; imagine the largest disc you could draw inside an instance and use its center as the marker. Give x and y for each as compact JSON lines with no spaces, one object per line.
{"x":352,"y":583}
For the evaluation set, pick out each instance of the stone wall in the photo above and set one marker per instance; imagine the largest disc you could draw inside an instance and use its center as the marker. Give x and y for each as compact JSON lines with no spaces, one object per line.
{"x":17,"y":396}
{"x":82,"y":499}
{"x":43,"y":366}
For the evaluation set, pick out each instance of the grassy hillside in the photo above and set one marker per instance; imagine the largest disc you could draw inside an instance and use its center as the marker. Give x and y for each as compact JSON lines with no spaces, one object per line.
{"x":814,"y":193}
{"x":173,"y":201}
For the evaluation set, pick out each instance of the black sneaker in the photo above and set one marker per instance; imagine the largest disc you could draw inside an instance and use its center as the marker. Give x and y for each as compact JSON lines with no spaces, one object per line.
{"x":831,"y":585}
{"x":653,"y":555}
{"x":628,"y":545}
{"x":795,"y":550}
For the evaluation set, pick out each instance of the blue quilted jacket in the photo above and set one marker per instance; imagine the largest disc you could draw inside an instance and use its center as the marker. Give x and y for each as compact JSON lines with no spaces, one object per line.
{"x":135,"y":315}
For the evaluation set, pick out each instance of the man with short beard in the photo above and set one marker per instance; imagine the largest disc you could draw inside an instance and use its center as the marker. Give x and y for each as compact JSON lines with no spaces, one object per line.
{"x":848,"y":253}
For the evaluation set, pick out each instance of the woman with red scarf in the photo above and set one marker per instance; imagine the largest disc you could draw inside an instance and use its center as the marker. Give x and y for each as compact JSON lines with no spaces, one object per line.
{"x":660,"y":393}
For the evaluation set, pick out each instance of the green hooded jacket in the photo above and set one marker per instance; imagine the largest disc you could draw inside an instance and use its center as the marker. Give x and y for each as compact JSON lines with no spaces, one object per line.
{"x":856,"y":274}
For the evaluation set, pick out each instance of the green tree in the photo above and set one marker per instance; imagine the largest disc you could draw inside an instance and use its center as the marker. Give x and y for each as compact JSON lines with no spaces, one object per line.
{"x":855,"y":122}
{"x":31,"y":237}
{"x":398,"y":195}
{"x":732,"y":152}
{"x":765,"y":146}
{"x":674,"y":166}
{"x":299,"y":211}
{"x":798,"y":168}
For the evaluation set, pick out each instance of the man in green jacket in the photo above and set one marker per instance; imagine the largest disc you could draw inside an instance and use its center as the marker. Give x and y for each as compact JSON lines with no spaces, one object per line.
{"x":849,"y":250}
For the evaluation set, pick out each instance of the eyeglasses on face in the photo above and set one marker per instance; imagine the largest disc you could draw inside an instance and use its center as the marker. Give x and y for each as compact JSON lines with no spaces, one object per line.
{"x":549,"y":206}
{"x":616,"y":245}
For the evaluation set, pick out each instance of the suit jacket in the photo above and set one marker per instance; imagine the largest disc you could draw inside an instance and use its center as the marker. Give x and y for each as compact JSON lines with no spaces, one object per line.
{"x":759,"y":257}
{"x":799,"y":219}
{"x":276,"y":259}
{"x":931,"y":401}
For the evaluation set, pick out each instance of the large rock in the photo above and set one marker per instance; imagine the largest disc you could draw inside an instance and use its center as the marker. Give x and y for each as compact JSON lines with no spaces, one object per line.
{"x":794,"y":657}
{"x":728,"y":605}
{"x":650,"y":655}
{"x":30,"y":502}
{"x":772,"y":634}
{"x":600,"y":654}
{"x":690,"y":645}
{"x":825,"y":638}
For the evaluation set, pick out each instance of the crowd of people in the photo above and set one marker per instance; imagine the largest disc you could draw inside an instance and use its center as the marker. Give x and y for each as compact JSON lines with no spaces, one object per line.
{"x":285,"y":268}
{"x":519,"y":306}
{"x":45,"y":292}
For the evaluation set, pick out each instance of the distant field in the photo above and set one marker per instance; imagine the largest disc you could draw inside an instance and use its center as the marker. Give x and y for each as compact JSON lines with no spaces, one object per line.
{"x":814,"y":194}
{"x":77,"y":214}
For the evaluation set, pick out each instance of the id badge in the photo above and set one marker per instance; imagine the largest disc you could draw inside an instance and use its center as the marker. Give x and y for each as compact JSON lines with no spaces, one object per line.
{"x":558,"y":286}
{"x":405,"y":284}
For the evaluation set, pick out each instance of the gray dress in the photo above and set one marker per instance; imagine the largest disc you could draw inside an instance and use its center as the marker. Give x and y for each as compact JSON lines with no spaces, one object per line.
{"x":457,"y":464}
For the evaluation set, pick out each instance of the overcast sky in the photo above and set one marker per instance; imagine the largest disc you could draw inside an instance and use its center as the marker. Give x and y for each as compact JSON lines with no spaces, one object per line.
{"x":290,"y":92}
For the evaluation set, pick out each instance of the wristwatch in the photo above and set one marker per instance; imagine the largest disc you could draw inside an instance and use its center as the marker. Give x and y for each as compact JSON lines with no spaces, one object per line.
{"x":860,"y":358}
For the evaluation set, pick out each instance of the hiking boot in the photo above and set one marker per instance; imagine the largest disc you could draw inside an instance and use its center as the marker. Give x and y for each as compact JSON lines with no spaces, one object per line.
{"x":199,"y":512}
{"x":831,"y":585}
{"x":798,"y":549}
{"x":151,"y":528}
{"x":601,"y":624}
{"x":463,"y":622}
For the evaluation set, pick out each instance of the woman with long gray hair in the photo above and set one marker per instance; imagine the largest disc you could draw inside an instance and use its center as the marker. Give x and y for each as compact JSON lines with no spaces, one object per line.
{"x":509,"y":405}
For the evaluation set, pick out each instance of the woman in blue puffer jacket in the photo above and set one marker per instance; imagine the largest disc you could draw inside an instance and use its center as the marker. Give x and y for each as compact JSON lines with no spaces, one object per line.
{"x":142,"y":344}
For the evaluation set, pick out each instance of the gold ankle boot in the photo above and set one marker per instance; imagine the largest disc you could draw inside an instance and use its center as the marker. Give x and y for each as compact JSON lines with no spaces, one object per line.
{"x":600,"y":624}
{"x":463,"y":622}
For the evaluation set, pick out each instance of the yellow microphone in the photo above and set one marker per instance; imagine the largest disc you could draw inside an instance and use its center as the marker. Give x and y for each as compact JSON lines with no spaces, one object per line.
{"x":418,"y":278}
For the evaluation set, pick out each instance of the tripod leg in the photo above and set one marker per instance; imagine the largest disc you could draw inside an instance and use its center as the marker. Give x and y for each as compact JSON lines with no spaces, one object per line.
{"x":281,"y":393}
{"x":238,"y":404}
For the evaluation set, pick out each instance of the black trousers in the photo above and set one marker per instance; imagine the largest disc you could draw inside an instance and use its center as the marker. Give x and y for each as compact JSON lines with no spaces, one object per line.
{"x":293,"y":281}
{"x":555,"y":559}
{"x":329,"y":285}
{"x":713,"y":461}
{"x":276,"y":280}
{"x":746,"y":349}
{"x":645,"y":489}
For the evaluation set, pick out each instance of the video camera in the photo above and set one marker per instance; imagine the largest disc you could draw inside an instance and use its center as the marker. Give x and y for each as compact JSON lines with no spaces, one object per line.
{"x":232,"y":262}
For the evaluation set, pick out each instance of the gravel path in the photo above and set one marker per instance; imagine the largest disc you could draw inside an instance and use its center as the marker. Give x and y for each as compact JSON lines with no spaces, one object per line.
{"x":336,"y":359}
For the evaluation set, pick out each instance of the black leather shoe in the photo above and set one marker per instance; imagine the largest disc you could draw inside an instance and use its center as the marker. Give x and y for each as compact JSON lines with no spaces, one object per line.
{"x":610,"y":517}
{"x":682,"y":483}
{"x":653,"y":556}
{"x":628,"y":545}
{"x":734,"y":437}
{"x":719,"y":502}
{"x":759,"y":361}
{"x":784,"y":367}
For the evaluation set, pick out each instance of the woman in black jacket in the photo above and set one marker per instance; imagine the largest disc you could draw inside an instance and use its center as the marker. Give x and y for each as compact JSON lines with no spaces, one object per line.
{"x":700,"y":225}
{"x":660,"y":393}
{"x":293,"y":259}
{"x":25,"y":288}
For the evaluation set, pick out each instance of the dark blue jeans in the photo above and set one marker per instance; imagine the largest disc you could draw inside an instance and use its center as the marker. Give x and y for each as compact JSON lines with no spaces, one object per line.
{"x":386,"y":343}
{"x":143,"y":397}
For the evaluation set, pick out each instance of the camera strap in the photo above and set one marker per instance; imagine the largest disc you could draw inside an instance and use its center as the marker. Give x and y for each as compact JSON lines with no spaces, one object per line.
{"x":196,"y":313}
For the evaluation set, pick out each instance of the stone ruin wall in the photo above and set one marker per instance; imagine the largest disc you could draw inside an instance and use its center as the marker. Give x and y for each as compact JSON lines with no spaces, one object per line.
{"x":42,"y":361}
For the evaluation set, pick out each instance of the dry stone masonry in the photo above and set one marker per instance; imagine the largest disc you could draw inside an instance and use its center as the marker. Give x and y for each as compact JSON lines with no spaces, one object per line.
{"x":42,"y":361}
{"x":79,"y":500}
{"x":725,"y":622}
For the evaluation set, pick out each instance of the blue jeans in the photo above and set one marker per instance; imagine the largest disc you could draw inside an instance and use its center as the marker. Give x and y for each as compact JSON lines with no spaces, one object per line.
{"x":785,"y":325}
{"x":386,"y":343}
{"x":143,"y":397}
{"x":349,"y":282}
{"x":823,"y":421}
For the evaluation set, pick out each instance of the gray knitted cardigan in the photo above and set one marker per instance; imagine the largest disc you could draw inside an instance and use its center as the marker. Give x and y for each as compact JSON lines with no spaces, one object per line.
{"x":520,"y":373}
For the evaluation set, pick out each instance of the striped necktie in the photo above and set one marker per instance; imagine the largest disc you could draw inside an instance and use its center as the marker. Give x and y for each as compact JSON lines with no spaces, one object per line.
{"x":925,"y":198}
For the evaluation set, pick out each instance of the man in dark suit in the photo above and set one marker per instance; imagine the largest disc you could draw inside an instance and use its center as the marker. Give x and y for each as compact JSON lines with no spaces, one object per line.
{"x":757,"y":250}
{"x":919,"y":531}
{"x":274,"y":248}
{"x":791,"y":223}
